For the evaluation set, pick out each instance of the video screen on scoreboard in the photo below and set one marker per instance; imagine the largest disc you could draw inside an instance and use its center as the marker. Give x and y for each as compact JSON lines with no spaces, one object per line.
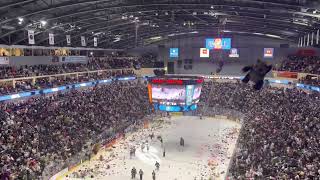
{"x":168,"y":93}
{"x":218,"y":43}
{"x":175,"y":94}
{"x":196,"y":93}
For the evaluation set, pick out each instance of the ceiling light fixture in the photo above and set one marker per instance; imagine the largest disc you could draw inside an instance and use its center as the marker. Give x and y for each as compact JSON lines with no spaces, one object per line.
{"x":43,"y":22}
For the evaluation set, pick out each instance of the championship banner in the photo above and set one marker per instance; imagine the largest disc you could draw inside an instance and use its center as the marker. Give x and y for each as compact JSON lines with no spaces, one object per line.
{"x":204,"y":53}
{"x":83,"y":41}
{"x":51,"y":39}
{"x":31,"y":37}
{"x":4,"y":60}
{"x":95,"y":41}
{"x":68,"y":37}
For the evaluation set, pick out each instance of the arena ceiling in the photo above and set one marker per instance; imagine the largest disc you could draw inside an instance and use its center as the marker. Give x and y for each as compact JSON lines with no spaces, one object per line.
{"x":130,"y":23}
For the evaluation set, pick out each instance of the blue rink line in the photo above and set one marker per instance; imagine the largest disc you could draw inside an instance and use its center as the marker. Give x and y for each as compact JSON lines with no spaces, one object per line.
{"x":63,"y":88}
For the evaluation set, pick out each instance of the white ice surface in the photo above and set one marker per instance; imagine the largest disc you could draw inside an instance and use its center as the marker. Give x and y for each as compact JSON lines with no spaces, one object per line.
{"x":209,"y":140}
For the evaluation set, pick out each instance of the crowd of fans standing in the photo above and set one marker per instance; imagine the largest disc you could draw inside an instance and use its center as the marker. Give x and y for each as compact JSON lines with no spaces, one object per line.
{"x":36,"y":131}
{"x":305,"y":64}
{"x":280,"y":138}
{"x":94,"y":63}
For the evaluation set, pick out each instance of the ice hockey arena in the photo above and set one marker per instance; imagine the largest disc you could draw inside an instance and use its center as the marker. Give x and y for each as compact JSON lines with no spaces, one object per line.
{"x":159,"y":90}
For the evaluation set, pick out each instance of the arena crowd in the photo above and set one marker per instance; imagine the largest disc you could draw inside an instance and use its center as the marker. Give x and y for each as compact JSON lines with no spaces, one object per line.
{"x":46,"y":82}
{"x":305,"y":64}
{"x":280,"y":138}
{"x":310,"y":81}
{"x":40,"y":130}
{"x":94,"y":63}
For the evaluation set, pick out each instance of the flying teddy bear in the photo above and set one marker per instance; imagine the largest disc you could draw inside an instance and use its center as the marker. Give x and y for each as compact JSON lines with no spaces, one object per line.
{"x":256,"y":73}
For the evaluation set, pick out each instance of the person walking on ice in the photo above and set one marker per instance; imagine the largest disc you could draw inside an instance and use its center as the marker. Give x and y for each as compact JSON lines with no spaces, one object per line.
{"x":181,"y":142}
{"x":133,"y":173}
{"x":142,"y":147}
{"x":157,"y":165}
{"x":141,"y":174}
{"x":153,"y":175}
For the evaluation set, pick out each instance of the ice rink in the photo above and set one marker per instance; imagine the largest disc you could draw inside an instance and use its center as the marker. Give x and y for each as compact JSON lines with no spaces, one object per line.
{"x":209,"y":144}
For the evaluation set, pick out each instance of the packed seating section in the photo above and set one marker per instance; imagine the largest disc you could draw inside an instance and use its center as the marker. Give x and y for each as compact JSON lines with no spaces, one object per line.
{"x":94,"y":63}
{"x":304,"y":64}
{"x":280,"y":137}
{"x":39,"y":130}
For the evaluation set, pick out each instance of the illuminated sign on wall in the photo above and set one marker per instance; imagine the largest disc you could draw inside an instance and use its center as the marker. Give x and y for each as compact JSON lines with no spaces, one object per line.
{"x":204,"y":52}
{"x":218,"y":43}
{"x":234,"y":53}
{"x":174,"y":52}
{"x":268,"y":52}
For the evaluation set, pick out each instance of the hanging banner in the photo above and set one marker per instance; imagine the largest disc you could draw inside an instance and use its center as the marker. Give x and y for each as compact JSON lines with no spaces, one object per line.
{"x":95,"y":41}
{"x":301,"y":41}
{"x":308,"y":40}
{"x":4,"y":60}
{"x":68,"y":37}
{"x":318,"y":36}
{"x":51,"y":39}
{"x":83,"y":41}
{"x":31,"y":37}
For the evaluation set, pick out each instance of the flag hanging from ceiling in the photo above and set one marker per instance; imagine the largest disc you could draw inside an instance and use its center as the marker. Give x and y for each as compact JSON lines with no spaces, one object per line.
{"x":31,"y":37}
{"x":95,"y":41}
{"x":318,"y":36}
{"x":51,"y":39}
{"x":68,"y":37}
{"x":83,"y":41}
